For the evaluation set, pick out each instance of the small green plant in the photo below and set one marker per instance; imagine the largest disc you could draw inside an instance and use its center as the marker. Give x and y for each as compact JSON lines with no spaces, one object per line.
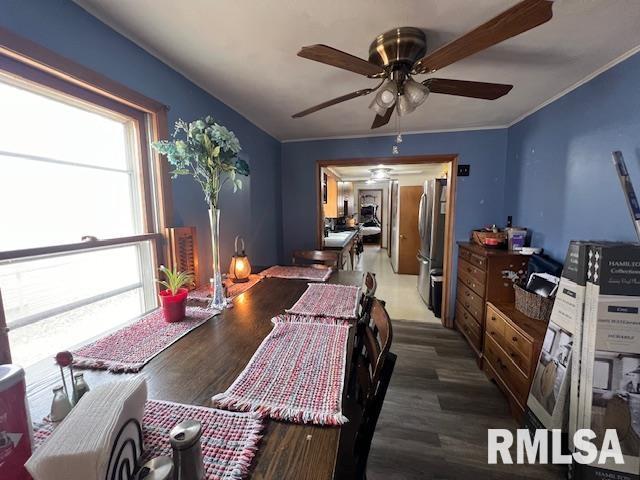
{"x":174,"y":279}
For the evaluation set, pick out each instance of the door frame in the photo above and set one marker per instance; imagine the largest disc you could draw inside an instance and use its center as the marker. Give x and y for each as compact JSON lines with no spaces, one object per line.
{"x":451,"y":159}
{"x":381,"y":190}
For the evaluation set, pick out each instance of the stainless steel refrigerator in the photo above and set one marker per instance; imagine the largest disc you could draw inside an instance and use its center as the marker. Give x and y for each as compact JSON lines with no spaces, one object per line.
{"x":431,"y":222}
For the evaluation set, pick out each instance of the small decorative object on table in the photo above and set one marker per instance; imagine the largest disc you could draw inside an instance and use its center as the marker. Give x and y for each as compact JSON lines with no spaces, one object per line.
{"x":174,"y":299}
{"x":60,"y":405}
{"x":159,"y":468}
{"x":65,"y":359}
{"x":209,"y":153}
{"x":187,"y":452}
{"x":240,"y":268}
{"x":81,"y":386}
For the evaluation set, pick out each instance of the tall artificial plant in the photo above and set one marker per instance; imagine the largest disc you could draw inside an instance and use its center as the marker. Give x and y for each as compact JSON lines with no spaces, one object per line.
{"x":209,"y":153}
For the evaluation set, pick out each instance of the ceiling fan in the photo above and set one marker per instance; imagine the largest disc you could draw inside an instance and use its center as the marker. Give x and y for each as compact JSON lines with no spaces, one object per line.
{"x":396,"y":56}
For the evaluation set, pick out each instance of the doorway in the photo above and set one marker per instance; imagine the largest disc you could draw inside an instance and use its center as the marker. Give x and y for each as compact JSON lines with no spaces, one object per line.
{"x":401,"y":168}
{"x":371,"y":213}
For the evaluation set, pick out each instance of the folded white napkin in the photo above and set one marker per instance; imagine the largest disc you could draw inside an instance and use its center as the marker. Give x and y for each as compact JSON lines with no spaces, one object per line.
{"x":80,"y":447}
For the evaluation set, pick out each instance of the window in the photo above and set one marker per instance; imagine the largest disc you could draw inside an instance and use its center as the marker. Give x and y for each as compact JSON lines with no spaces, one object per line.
{"x":77,"y":223}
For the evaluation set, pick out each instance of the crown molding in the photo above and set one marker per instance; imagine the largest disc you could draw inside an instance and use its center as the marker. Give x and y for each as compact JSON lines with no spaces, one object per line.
{"x":578,"y":84}
{"x":410,"y":132}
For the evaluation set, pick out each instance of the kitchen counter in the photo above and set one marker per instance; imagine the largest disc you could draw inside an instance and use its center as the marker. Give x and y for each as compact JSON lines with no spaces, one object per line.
{"x":342,"y":242}
{"x":339,"y":240}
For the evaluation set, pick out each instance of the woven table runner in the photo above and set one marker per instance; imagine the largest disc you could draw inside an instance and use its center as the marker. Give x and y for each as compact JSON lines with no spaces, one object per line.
{"x":203,"y":294}
{"x":298,"y":273}
{"x":132,"y":347}
{"x":229,"y":439}
{"x":297,"y":374}
{"x":328,"y":300}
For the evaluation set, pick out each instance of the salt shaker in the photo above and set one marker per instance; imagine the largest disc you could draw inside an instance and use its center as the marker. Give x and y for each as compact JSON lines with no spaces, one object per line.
{"x":187,"y":454}
{"x":81,"y":387}
{"x":60,"y":406}
{"x":159,"y":468}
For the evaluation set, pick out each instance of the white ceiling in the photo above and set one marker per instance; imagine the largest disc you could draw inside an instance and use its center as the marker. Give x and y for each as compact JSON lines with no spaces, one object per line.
{"x":244,"y":53}
{"x":427,"y":170}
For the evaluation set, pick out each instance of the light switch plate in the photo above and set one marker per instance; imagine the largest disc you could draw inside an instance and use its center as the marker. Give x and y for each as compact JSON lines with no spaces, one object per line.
{"x":464,"y":170}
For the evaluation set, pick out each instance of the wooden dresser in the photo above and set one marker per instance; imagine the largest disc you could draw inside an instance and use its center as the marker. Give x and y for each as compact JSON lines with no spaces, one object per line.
{"x":482,"y":277}
{"x":512,"y":343}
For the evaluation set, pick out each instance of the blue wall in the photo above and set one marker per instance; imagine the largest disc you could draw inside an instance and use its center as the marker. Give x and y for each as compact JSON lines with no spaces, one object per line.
{"x":67,"y":29}
{"x":479,"y":198}
{"x":560,"y":181}
{"x":552,"y":171}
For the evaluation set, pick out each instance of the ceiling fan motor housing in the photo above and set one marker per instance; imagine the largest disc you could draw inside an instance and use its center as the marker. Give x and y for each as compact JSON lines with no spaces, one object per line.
{"x":398,"y":49}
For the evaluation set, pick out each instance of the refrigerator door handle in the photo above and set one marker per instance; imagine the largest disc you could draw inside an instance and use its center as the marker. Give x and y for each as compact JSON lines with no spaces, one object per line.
{"x":420,"y":216}
{"x":421,"y":259}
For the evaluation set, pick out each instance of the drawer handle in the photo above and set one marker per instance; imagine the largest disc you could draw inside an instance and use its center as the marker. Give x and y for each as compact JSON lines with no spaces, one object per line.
{"x":469,"y":269}
{"x":493,"y":318}
{"x":467,"y":305}
{"x":492,"y":333}
{"x":515,"y":339}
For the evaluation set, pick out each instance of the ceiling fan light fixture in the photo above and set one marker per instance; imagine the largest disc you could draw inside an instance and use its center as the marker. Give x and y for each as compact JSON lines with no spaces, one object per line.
{"x":416,"y":92}
{"x":385,"y":98}
{"x":380,"y":173}
{"x":404,"y":106}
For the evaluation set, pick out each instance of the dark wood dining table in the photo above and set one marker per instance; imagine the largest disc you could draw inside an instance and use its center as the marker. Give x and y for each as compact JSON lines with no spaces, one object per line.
{"x":208,"y":360}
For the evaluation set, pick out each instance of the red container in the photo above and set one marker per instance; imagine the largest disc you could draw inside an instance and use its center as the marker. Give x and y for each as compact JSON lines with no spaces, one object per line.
{"x":174,"y":307}
{"x":16,"y":435}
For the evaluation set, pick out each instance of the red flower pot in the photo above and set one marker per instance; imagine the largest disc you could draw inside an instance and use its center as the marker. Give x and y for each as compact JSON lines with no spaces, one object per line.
{"x":174,"y":307}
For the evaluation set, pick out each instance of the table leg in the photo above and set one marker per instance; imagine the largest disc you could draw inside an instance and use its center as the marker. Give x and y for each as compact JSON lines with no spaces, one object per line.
{"x":351,"y":254}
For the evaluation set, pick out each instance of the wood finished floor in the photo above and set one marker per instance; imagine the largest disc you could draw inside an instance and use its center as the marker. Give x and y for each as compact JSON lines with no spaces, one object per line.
{"x":437,"y":411}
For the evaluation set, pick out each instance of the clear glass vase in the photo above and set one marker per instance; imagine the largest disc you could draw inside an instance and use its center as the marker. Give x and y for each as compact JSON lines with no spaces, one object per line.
{"x":218,"y":298}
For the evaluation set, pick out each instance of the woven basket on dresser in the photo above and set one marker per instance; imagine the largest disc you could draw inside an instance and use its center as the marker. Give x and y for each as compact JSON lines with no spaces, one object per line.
{"x":533,"y":305}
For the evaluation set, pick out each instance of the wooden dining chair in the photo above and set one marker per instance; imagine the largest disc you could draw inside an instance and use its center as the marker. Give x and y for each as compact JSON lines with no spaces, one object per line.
{"x":316,"y":258}
{"x":369,"y":287}
{"x":375,"y":366}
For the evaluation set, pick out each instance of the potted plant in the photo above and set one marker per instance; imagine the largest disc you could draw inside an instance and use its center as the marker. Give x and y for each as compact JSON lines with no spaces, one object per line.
{"x":209,"y":153}
{"x":174,"y":299}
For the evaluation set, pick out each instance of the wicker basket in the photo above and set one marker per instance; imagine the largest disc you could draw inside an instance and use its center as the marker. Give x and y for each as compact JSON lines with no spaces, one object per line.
{"x":533,"y":305}
{"x":479,"y":237}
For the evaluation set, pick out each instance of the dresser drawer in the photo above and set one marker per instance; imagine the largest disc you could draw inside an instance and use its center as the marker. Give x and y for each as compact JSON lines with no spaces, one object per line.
{"x":509,"y":373}
{"x":470,"y":300}
{"x":468,"y":326}
{"x":494,"y":325}
{"x":519,"y":348}
{"x":474,"y":259}
{"x":471,"y":277}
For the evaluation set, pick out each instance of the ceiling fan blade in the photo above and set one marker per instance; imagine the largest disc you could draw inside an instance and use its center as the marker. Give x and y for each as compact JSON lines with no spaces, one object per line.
{"x":340,"y":59}
{"x":464,"y":88}
{"x":334,"y":101}
{"x":514,"y":21}
{"x":379,"y":121}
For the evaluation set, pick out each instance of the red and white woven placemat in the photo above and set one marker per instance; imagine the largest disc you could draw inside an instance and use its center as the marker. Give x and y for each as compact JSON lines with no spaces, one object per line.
{"x":132,"y":347}
{"x":229,"y":439}
{"x":298,"y":273}
{"x":328,"y":300}
{"x":297,"y":374}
